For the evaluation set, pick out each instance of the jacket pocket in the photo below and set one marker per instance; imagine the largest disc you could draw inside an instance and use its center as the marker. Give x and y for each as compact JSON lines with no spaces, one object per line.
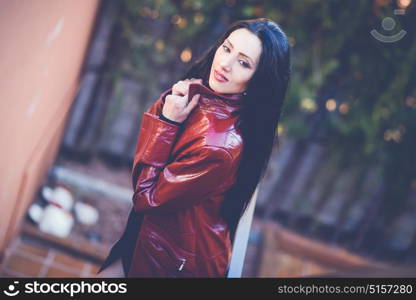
{"x":171,"y":260}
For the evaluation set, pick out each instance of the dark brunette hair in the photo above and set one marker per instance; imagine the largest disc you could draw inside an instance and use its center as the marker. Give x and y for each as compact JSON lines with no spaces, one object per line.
{"x":261,"y":109}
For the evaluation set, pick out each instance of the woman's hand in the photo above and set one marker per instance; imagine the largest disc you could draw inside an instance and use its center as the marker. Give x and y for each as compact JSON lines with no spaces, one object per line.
{"x":176,"y":107}
{"x":181,"y":88}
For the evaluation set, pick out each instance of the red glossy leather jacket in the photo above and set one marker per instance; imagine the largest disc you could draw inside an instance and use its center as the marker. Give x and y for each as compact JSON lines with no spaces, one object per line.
{"x":182,"y":173}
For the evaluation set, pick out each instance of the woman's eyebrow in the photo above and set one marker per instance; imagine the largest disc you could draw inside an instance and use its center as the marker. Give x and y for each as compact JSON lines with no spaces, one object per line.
{"x":240,"y":52}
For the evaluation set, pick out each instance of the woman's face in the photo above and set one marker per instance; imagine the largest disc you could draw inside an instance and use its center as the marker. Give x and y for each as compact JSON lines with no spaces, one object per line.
{"x":236,"y":59}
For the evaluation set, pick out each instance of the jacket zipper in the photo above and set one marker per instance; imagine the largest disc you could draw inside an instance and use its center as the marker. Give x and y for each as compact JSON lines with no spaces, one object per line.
{"x":180,"y":268}
{"x":183,"y":263}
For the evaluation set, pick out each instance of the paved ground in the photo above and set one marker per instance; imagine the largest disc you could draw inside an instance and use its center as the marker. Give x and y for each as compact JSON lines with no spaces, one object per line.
{"x":25,"y":258}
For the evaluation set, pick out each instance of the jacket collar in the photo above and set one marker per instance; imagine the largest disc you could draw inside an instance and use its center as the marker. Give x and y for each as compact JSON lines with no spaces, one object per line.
{"x":205,"y":89}
{"x":219,"y":103}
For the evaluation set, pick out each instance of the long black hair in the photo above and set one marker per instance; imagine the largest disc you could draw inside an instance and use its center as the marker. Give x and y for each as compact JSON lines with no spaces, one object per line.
{"x":260,"y":113}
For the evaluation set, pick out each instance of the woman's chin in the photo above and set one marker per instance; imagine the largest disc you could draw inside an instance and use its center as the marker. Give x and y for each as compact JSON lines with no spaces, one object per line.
{"x":215,"y":86}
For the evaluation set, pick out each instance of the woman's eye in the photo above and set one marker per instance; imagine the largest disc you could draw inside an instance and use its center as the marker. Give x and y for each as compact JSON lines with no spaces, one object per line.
{"x":244,"y":64}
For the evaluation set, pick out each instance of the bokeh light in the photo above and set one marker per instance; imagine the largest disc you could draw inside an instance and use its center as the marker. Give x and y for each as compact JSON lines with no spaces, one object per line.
{"x":186,"y":55}
{"x":331,"y":104}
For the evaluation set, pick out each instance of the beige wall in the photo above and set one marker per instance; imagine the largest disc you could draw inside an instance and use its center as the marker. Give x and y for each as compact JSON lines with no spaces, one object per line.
{"x":43,"y":44}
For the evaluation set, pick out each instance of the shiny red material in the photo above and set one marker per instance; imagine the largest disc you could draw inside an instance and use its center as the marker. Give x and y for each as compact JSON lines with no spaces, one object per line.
{"x":182,"y":174}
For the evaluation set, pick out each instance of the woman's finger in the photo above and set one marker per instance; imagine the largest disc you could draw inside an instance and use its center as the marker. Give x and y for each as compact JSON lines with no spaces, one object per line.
{"x":180,"y":88}
{"x":176,"y":100}
{"x":192,"y":103}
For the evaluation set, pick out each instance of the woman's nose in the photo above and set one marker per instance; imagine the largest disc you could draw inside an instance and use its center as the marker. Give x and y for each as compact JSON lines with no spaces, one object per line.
{"x":225,"y":64}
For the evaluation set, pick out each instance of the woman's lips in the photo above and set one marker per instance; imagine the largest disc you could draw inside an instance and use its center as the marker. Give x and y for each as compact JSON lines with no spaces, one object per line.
{"x":219,"y":77}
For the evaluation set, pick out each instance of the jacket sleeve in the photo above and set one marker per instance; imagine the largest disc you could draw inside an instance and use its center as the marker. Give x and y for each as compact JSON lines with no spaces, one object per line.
{"x":162,"y":117}
{"x":156,"y":110}
{"x":164,"y":186}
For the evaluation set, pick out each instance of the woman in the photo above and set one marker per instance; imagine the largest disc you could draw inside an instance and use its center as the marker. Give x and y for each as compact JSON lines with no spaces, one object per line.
{"x":202,"y":149}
